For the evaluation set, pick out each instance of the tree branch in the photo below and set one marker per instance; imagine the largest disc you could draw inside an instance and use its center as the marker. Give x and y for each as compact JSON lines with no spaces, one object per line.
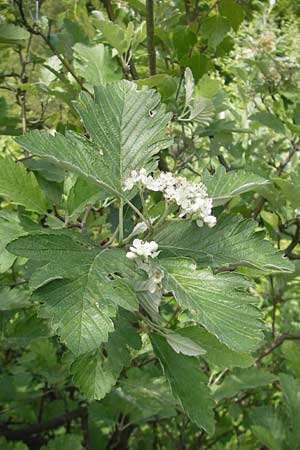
{"x":275,"y":344}
{"x":24,"y":433}
{"x":150,"y":37}
{"x":37,"y":32}
{"x":111,"y":15}
{"x":294,"y":148}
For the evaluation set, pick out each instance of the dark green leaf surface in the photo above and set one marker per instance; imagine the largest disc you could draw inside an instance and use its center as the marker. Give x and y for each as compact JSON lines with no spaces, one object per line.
{"x":188,"y":384}
{"x":232,"y":241}
{"x":218,"y":302}
{"x":77,"y":295}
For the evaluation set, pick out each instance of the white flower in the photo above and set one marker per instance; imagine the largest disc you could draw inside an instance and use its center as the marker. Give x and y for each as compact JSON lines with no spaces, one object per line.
{"x":136,"y":177}
{"x":154,"y":283}
{"x":143,"y":249}
{"x":192,"y":198}
{"x":139,"y":228}
{"x":131,"y":181}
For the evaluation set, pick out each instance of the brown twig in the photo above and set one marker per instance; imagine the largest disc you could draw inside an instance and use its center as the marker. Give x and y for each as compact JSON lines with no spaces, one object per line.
{"x":275,"y":344}
{"x":33,"y":30}
{"x":24,"y":433}
{"x":150,"y":37}
{"x":111,"y":15}
{"x":294,"y":148}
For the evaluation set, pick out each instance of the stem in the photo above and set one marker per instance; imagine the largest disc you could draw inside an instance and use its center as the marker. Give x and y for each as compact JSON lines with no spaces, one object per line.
{"x":150,"y":37}
{"x":121,"y":221}
{"x":36,"y":31}
{"x":145,"y":211}
{"x":136,"y":210}
{"x":163,"y":216}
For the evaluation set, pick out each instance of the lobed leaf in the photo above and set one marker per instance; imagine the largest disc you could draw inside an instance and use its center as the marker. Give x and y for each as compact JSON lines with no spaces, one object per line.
{"x":218,"y":302}
{"x":187,"y":383}
{"x":233,"y":241}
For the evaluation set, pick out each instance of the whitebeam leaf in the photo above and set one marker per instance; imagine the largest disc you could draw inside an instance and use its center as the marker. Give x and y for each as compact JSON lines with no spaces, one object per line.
{"x":222,"y":186}
{"x":21,"y":186}
{"x":187,"y":383}
{"x":127,"y":129}
{"x":216,"y":354}
{"x":233,"y":241}
{"x":78,"y":287}
{"x":183,"y":344}
{"x":218,"y":302}
{"x":95,"y":374}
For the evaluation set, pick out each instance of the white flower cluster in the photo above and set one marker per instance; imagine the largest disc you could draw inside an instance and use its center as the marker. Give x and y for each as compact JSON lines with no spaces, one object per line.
{"x":143,"y":249}
{"x":140,"y":251}
{"x":191,"y":197}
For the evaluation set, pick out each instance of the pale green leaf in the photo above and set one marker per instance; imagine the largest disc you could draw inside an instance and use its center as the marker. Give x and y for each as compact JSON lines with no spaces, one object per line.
{"x":10,"y":229}
{"x":12,"y":34}
{"x":241,"y":380}
{"x":181,"y":343}
{"x":233,"y":241}
{"x":233,"y":12}
{"x":189,"y":85}
{"x":13,"y":299}
{"x":216,"y":354}
{"x":95,"y":64}
{"x":187,"y":383}
{"x":222,"y":186}
{"x":268,"y":119}
{"x":214,"y":29}
{"x":20,"y":186}
{"x":218,"y":302}
{"x":117,"y":36}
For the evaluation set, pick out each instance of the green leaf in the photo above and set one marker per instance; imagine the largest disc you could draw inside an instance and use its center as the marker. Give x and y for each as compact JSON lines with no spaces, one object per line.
{"x":291,"y":353}
{"x":187,"y":383}
{"x":10,"y":229}
{"x":189,"y":85}
{"x":268,"y":119}
{"x":12,"y":445}
{"x":216,"y":354}
{"x":222,"y":186}
{"x":12,"y":34}
{"x":147,"y":394}
{"x":218,"y":302}
{"x":214,"y":30}
{"x":266,"y":437}
{"x":233,"y":241}
{"x":268,"y":428}
{"x":291,"y":391}
{"x":127,"y":128}
{"x":117,"y":36}
{"x":21,"y":186}
{"x":233,"y":12}
{"x":241,"y":380}
{"x":13,"y":299}
{"x":95,"y":374}
{"x":73,"y":284}
{"x":181,"y":343}
{"x":64,"y":442}
{"x":95,"y":64}
{"x":81,"y":194}
{"x":200,"y":110}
